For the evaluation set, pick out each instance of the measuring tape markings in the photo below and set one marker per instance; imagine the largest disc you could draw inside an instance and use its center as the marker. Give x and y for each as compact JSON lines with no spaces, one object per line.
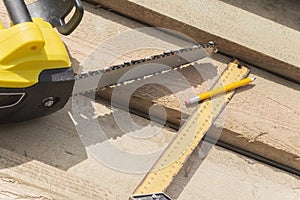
{"x":189,"y":136}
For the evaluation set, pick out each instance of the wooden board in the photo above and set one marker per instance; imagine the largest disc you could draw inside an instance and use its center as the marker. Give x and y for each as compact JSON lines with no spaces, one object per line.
{"x":217,"y":178}
{"x":36,"y":177}
{"x":251,"y":33}
{"x":32,"y":154}
{"x":261,"y":118}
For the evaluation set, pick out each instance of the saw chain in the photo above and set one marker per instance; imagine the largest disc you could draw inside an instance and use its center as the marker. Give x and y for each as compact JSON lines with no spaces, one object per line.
{"x":36,"y":75}
{"x":138,"y":69}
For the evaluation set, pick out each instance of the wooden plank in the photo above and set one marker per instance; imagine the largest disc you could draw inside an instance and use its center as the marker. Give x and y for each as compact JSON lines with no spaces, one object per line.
{"x":26,"y":177}
{"x":226,"y":175}
{"x":48,"y":154}
{"x":43,"y":177}
{"x":13,"y":188}
{"x":239,"y":33}
{"x":261,"y":119}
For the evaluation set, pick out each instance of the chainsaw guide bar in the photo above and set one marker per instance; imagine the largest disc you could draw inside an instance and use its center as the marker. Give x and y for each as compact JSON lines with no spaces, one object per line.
{"x":136,"y":69}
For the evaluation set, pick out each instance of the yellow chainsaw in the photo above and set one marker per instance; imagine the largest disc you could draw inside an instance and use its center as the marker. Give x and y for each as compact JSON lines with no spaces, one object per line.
{"x":36,"y":75}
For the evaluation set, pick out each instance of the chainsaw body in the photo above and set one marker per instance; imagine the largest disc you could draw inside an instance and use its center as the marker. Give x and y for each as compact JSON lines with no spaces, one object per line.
{"x":36,"y":77}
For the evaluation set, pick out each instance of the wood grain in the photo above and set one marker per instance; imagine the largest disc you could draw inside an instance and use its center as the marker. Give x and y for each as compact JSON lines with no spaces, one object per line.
{"x":35,"y":174}
{"x":239,"y":33}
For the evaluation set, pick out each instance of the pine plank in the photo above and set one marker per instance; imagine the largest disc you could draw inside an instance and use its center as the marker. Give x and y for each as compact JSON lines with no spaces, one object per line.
{"x":250,"y":31}
{"x":236,"y":177}
{"x":39,"y":176}
{"x":261,"y":118}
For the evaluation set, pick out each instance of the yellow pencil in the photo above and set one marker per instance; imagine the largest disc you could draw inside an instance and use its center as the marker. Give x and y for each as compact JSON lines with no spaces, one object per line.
{"x":218,"y":91}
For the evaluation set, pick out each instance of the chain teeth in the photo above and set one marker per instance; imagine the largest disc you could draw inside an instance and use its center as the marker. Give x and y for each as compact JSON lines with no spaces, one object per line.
{"x":167,"y":52}
{"x":210,"y":45}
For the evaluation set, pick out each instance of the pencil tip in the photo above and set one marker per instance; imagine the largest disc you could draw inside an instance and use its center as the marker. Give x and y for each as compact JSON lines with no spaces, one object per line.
{"x":253,"y":78}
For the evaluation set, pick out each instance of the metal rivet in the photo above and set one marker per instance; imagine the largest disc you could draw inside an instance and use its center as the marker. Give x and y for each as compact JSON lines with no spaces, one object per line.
{"x":48,"y":102}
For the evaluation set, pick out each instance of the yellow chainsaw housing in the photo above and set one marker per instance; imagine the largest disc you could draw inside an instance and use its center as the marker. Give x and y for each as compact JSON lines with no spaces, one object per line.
{"x":27,"y":49}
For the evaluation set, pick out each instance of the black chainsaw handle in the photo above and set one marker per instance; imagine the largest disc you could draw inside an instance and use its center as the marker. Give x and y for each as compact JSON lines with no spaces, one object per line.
{"x":17,"y":11}
{"x":56,"y":11}
{"x":69,"y":27}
